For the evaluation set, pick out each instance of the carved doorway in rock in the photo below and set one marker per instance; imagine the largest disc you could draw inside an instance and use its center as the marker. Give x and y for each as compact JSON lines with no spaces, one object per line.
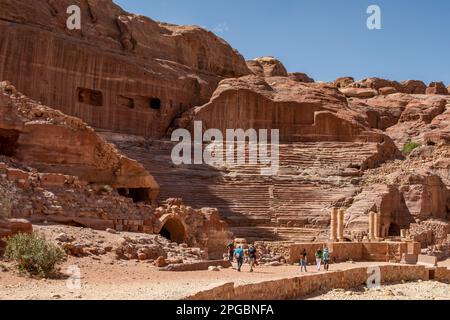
{"x":394,"y":230}
{"x":173,"y":229}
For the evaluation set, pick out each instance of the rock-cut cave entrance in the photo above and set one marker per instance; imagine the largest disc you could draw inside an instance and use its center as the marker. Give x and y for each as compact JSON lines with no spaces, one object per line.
{"x":137,"y":194}
{"x":8,"y":142}
{"x":394,"y":230}
{"x":173,"y":230}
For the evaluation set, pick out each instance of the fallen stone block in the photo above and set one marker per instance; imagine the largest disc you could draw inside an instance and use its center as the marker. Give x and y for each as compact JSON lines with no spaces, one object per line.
{"x":427,"y":260}
{"x":409,"y":258}
{"x":52,"y":180}
{"x":198,"y":266}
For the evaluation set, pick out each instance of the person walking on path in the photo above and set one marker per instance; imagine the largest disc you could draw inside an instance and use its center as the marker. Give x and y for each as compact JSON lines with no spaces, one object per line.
{"x":303,"y":260}
{"x":318,"y":258}
{"x":231,"y":251}
{"x":326,"y":259}
{"x":252,"y":257}
{"x":239,"y":255}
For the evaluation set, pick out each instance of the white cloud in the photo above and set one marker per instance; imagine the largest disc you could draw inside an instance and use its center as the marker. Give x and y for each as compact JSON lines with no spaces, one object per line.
{"x":220,"y":28}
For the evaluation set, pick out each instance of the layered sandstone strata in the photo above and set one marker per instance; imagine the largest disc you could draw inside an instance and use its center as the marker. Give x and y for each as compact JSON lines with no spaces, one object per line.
{"x":121,"y":71}
{"x":52,"y":142}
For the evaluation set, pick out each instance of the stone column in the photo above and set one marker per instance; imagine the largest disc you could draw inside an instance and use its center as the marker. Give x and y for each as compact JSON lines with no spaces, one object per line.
{"x":371,"y":226}
{"x":340,"y":225}
{"x":333,"y":225}
{"x":376,"y":224}
{"x":403,"y":233}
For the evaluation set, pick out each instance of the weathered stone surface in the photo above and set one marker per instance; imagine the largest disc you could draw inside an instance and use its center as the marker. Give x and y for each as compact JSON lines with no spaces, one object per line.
{"x":343,"y":82}
{"x":52,"y":142}
{"x":267,"y":67}
{"x":11,"y":227}
{"x":122,"y":72}
{"x":377,"y":84}
{"x":437,"y":88}
{"x":301,"y":77}
{"x":413,"y":87}
{"x":340,"y":142}
{"x":362,"y":93}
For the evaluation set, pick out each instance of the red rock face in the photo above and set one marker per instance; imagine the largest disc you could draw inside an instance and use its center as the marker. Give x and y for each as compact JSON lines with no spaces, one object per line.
{"x":11,"y":227}
{"x":129,"y":74}
{"x":413,"y":87}
{"x":122,"y":72}
{"x":52,"y":142}
{"x":267,"y":67}
{"x":437,"y":88}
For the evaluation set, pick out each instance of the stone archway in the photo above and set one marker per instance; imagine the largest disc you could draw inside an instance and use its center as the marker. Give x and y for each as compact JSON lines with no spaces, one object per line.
{"x":174,"y":230}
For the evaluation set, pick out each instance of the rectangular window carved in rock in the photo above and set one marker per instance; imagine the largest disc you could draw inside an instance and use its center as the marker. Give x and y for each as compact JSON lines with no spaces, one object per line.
{"x":92,"y":97}
{"x":155,"y":103}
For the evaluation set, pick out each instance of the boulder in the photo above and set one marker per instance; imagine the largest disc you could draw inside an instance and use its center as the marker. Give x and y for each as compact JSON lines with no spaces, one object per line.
{"x":161,"y":262}
{"x":300,"y":77}
{"x":387,"y":90}
{"x":361,"y":93}
{"x":413,"y":87}
{"x":268,"y":67}
{"x":437,"y":88}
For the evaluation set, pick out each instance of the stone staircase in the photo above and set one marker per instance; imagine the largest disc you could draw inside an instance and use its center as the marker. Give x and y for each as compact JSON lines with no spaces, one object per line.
{"x":291,"y":206}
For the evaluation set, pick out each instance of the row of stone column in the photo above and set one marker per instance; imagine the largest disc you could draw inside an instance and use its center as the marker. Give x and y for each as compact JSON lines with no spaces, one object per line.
{"x":374,"y":226}
{"x":337,"y":225}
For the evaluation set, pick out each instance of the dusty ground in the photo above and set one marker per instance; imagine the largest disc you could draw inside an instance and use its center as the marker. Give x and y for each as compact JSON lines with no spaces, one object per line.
{"x":142,"y":281}
{"x":103,"y":276}
{"x":133,"y":280}
{"x":422,"y":290}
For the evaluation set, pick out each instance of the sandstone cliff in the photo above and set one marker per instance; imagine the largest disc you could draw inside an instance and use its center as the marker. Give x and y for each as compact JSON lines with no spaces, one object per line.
{"x":121,"y":71}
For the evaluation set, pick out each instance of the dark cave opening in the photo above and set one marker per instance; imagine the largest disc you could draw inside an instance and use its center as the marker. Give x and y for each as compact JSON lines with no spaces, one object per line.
{"x":8,"y":142}
{"x":137,"y":194}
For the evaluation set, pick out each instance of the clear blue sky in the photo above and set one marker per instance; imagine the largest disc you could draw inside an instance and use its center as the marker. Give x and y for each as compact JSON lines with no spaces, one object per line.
{"x":324,"y":38}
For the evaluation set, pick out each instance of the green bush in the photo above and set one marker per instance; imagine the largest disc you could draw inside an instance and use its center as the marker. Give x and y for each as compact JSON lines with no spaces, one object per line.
{"x":106,"y":188}
{"x":34,"y":254}
{"x":410,"y":146}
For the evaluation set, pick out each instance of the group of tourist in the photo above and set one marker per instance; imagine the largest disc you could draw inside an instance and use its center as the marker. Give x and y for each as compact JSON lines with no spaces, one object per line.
{"x":322,"y":257}
{"x":242,"y":255}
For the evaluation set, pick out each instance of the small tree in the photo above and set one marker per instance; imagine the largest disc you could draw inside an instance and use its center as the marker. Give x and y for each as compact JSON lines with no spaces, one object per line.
{"x":34,"y":254}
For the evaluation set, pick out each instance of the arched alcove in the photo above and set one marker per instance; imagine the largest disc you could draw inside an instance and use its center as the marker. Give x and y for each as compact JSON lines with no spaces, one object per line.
{"x":173,"y":229}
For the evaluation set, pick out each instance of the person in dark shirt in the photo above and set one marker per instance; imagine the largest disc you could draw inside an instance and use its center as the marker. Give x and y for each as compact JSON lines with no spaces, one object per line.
{"x":252,"y":257}
{"x":231,"y":251}
{"x":303,"y":260}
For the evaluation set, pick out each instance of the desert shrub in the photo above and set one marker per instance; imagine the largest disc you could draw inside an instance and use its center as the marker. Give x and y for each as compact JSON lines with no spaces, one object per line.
{"x":106,"y":188}
{"x":34,"y":254}
{"x":410,"y":146}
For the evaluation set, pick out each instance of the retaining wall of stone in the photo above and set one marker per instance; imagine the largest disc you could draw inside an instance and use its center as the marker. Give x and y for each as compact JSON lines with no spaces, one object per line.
{"x":297,"y":287}
{"x":356,"y":251}
{"x":197,"y":266}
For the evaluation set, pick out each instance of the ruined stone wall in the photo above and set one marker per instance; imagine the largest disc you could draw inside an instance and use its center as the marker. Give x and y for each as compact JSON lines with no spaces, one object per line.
{"x":298,"y":287}
{"x":52,"y":142}
{"x":356,"y":251}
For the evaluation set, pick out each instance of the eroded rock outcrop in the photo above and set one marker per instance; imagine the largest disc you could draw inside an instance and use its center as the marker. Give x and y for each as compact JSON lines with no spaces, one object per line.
{"x":267,"y":67}
{"x":437,"y":88}
{"x":52,"y":142}
{"x":11,"y":227}
{"x":121,"y":71}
